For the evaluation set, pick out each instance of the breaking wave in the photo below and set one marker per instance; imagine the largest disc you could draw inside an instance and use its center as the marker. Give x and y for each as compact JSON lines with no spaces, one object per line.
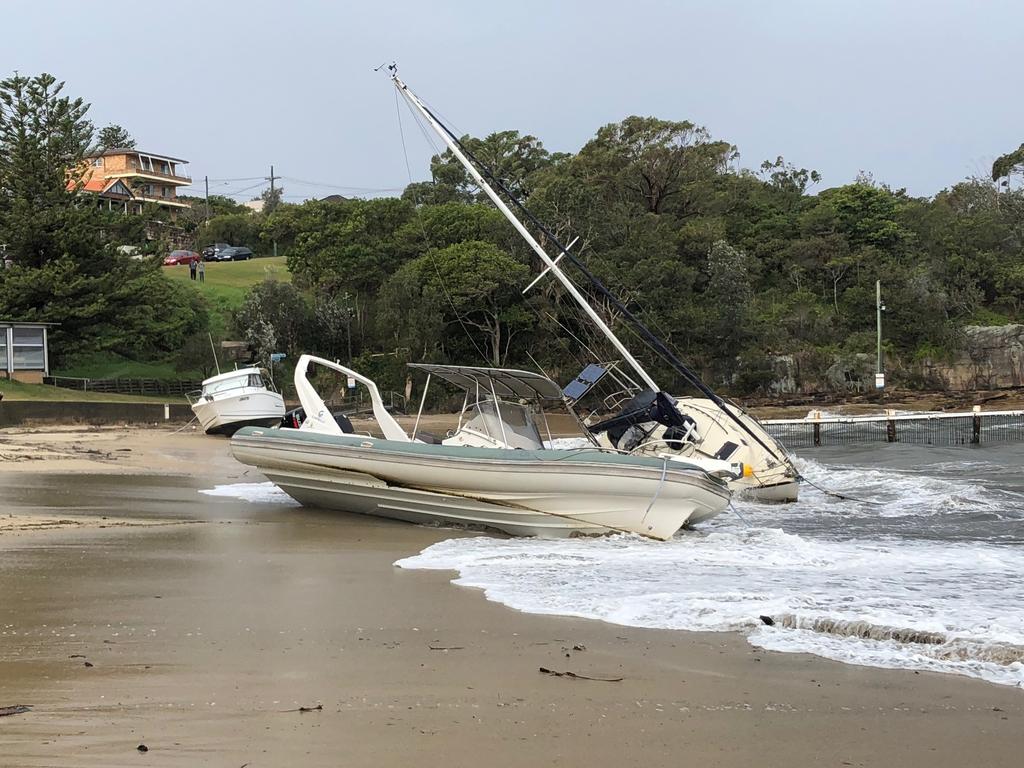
{"x":926,"y":572}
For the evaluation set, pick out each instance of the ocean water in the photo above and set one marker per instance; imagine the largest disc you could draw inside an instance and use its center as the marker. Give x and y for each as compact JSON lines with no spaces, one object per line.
{"x":924,"y":570}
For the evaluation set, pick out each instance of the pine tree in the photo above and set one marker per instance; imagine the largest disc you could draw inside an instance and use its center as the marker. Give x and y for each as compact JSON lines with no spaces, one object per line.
{"x":43,"y":141}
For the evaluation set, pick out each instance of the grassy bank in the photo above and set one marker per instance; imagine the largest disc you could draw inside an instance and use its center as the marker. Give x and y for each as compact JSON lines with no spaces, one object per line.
{"x":16,"y":390}
{"x":227,"y":283}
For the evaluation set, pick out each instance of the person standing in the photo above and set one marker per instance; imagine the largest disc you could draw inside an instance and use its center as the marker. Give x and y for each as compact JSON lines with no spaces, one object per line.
{"x":201,"y":271}
{"x":192,"y":270}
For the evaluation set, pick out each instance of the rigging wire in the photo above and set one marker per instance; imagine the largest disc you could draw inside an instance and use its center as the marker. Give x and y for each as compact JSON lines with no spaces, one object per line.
{"x":429,"y":253}
{"x":648,"y":337}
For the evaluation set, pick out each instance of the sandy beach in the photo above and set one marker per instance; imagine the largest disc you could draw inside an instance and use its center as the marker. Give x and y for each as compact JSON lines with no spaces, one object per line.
{"x":201,"y":626}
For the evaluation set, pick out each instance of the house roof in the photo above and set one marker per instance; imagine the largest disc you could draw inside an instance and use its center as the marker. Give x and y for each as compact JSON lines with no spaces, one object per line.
{"x":133,"y":151}
{"x":99,"y":185}
{"x":17,"y":324}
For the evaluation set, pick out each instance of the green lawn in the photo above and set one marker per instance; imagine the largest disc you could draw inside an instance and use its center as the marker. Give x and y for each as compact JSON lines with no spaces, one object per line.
{"x":233,"y":278}
{"x":227,"y":283}
{"x":15,"y":390}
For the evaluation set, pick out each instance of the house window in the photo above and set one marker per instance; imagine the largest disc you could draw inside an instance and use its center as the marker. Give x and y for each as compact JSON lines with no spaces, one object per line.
{"x":165,"y":191}
{"x":3,"y":349}
{"x":97,"y":162}
{"x":29,"y":353}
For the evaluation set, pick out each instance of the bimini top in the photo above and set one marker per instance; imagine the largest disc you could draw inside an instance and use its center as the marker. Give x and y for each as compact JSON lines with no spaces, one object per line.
{"x":506,"y":383}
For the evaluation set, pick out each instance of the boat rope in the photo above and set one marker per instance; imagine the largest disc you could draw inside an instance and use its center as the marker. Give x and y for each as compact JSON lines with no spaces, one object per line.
{"x":835,"y":494}
{"x":186,"y":426}
{"x":737,"y":513}
{"x":657,"y":492}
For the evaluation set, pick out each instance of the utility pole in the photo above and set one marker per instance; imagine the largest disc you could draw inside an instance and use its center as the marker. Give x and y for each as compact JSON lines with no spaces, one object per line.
{"x":272,"y":177}
{"x":879,"y":373}
{"x":206,"y":182}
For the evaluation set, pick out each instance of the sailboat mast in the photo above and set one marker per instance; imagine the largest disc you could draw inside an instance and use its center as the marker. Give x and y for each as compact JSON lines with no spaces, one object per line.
{"x":500,"y":204}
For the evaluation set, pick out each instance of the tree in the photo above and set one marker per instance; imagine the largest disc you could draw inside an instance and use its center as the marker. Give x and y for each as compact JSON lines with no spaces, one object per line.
{"x":274,"y":317}
{"x":480,"y":284}
{"x":1012,"y":162}
{"x":509,"y":156}
{"x":114,"y":137}
{"x":657,"y":163}
{"x":43,"y":141}
{"x":231,"y":228}
{"x":271,"y":199}
{"x":728,"y":299}
{"x":787,"y":177}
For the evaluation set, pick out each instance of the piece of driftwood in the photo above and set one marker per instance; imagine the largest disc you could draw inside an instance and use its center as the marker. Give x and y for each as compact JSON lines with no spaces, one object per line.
{"x":317,"y":708}
{"x":574,"y":676}
{"x":446,"y":647}
{"x":16,"y":709}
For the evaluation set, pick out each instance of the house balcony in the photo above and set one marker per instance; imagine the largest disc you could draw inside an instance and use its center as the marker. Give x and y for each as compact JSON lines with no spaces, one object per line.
{"x":145,"y":173}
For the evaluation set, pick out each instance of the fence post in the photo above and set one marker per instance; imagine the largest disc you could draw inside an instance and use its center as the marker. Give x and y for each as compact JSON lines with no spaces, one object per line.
{"x":890,"y":426}
{"x":976,"y":426}
{"x":816,"y":415}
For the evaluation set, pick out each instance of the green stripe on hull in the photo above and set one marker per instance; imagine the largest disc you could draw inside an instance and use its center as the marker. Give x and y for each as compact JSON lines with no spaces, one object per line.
{"x":565,"y":455}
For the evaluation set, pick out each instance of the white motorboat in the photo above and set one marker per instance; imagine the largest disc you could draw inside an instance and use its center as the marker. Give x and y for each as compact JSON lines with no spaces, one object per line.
{"x":492,"y":470}
{"x":651,"y":421}
{"x":236,"y":399}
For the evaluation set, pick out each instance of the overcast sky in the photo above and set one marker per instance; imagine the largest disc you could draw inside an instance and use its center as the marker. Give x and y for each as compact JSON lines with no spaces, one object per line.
{"x":921,"y":93}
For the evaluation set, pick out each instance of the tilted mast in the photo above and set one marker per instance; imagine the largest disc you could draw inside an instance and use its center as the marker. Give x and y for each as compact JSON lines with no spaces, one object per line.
{"x":551,"y":264}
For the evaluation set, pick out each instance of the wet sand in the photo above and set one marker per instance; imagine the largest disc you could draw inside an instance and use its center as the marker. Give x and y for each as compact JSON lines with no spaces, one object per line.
{"x":205,"y":636}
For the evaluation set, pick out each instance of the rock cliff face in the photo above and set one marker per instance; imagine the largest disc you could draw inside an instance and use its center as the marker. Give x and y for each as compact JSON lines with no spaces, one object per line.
{"x":993,"y":357}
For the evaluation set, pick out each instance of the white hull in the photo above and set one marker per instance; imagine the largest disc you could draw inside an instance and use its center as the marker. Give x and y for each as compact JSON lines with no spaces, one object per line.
{"x":524,"y":493}
{"x":770,"y":480}
{"x":248,"y":407}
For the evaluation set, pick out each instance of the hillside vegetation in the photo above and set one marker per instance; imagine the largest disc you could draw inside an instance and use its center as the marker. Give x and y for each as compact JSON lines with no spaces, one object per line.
{"x":737,"y":269}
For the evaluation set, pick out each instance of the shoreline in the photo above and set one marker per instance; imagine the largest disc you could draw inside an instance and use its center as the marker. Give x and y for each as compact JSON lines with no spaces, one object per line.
{"x":206,"y":639}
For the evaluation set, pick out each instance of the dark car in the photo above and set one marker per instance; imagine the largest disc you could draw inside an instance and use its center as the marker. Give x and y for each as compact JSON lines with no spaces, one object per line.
{"x":212,"y":250}
{"x":181,"y":257}
{"x":232,"y":253}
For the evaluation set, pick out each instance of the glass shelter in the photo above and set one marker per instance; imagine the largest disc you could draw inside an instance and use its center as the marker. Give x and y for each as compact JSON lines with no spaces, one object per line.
{"x":24,"y":355}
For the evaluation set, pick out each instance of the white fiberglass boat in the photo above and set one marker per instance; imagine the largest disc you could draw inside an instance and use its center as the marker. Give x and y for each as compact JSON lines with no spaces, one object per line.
{"x":236,"y":399}
{"x":492,"y":470}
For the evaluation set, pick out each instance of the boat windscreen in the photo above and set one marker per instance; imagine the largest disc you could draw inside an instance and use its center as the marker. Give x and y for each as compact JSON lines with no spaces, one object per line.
{"x":235,"y":382}
{"x":520,"y":429}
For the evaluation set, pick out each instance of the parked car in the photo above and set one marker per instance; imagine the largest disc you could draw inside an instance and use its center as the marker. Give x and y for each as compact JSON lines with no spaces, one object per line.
{"x":212,"y":250}
{"x":181,"y":257}
{"x":232,"y":253}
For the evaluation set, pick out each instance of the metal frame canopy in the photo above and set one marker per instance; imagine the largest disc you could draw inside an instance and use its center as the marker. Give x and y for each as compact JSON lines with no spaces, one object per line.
{"x":502,"y":382}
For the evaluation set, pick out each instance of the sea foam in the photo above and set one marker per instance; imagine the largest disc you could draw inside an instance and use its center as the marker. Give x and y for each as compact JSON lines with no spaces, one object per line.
{"x":891,"y":580}
{"x":265,"y":493}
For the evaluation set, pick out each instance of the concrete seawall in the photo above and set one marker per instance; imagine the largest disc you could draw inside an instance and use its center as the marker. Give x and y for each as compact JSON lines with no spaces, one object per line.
{"x":17,"y":412}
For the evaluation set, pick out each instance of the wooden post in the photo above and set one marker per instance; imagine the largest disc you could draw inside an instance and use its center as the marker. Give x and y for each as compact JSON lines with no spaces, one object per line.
{"x":890,"y":427}
{"x":817,"y":428}
{"x":976,"y":426}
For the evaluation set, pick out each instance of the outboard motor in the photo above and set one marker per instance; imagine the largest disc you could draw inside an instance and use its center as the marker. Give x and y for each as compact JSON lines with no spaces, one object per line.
{"x":294,"y":418}
{"x":640,"y":416}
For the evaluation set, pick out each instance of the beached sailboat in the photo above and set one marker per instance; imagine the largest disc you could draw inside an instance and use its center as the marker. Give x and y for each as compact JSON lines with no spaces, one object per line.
{"x":650,"y":421}
{"x":493,"y":470}
{"x":236,"y":399}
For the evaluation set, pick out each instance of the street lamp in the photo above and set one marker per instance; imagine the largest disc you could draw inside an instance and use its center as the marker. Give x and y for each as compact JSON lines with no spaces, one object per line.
{"x":879,"y":308}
